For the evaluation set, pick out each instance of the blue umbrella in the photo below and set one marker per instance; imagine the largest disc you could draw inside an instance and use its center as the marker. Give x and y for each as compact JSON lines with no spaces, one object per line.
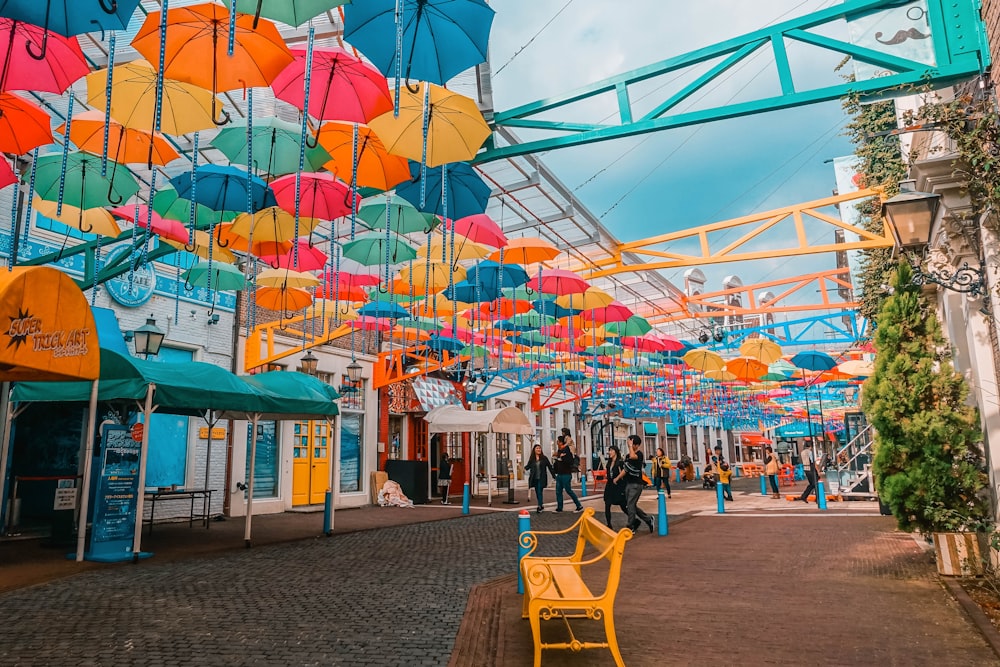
{"x":467,"y":193}
{"x":550,"y":307}
{"x":440,"y":37}
{"x":71,"y":17}
{"x":383,"y":309}
{"x":467,"y":292}
{"x":490,"y":275}
{"x":223,"y":188}
{"x":813,"y":360}
{"x":445,"y":343}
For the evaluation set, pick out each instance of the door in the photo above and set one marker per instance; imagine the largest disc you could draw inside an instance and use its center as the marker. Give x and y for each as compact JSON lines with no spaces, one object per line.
{"x":310,"y":462}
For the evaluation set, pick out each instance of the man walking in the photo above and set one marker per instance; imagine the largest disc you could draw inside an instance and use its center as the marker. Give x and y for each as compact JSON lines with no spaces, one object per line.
{"x":562,"y":462}
{"x":632,"y":475}
{"x":809,"y":467}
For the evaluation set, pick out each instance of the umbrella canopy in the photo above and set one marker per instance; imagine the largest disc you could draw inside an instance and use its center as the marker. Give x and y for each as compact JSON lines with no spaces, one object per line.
{"x":383,"y":310}
{"x":224,"y":277}
{"x":440,"y":37}
{"x":464,"y":249}
{"x":764,"y":350}
{"x":370,"y":249}
{"x":435,"y":275}
{"x":747,"y":369}
{"x":594,"y":297}
{"x":285,"y":278}
{"x":366,"y":165}
{"x":560,"y":282}
{"x":452,"y":128}
{"x":342,"y":86}
{"x":184,"y":109}
{"x":704,"y":360}
{"x":633,"y":326}
{"x":276,"y":146}
{"x":197,"y":48}
{"x":224,"y":188}
{"x":282,"y":300}
{"x":163,"y":227}
{"x":813,"y":360}
{"x":71,"y":18}
{"x":494,"y":276}
{"x":89,"y":221}
{"x":857,"y":368}
{"x":527,"y":250}
{"x":81,"y":184}
{"x":404,"y":218}
{"x":23,"y":125}
{"x":62,"y":62}
{"x":203,"y":245}
{"x":125,"y":145}
{"x":467,"y":193}
{"x":479,"y":228}
{"x":271,"y":224}
{"x":304,"y":257}
{"x":320,"y":195}
{"x":291,"y":12}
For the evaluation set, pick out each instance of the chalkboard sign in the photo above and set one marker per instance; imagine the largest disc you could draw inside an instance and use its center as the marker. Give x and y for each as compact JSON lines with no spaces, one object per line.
{"x":117,"y":496}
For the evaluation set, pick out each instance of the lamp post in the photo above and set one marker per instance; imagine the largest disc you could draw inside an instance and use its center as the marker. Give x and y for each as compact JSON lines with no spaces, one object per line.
{"x":148,"y":338}
{"x":309,"y":363}
{"x":911,"y":216}
{"x":354,"y":372}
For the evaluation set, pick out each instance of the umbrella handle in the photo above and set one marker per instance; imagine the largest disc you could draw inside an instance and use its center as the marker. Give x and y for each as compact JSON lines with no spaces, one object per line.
{"x":381,"y":290}
{"x":113,"y":196}
{"x":226,"y":118}
{"x":218,"y":238}
{"x":189,"y":247}
{"x":188,"y":287}
{"x":110,"y":8}
{"x":312,"y":140}
{"x":45,"y":44}
{"x":413,"y":89}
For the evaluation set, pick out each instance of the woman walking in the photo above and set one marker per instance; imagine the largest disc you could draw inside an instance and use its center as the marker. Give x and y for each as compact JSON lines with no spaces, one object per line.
{"x":771,"y":470}
{"x":538,"y":468}
{"x":614,"y":492}
{"x":661,"y":471}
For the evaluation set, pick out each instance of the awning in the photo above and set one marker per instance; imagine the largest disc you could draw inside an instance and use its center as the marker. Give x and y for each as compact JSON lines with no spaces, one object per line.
{"x":672,"y":429}
{"x":649,"y":428}
{"x":455,"y":419}
{"x":49,"y":327}
{"x":435,"y":393}
{"x":753,"y":439}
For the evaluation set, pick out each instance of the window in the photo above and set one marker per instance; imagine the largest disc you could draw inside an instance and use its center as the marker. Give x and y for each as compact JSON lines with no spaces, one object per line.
{"x":265,"y":465}
{"x":351,"y":437}
{"x":352,"y":394}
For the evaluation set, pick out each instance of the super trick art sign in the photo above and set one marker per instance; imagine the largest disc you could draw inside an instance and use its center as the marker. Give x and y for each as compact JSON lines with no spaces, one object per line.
{"x":26,"y":329}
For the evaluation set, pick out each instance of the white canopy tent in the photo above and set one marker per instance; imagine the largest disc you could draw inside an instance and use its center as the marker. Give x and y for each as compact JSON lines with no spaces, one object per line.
{"x":456,"y":419}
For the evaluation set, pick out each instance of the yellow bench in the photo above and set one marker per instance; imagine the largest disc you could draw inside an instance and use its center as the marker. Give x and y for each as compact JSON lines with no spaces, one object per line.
{"x":554,"y":587}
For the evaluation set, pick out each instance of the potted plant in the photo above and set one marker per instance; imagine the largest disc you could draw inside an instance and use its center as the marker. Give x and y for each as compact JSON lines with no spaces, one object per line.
{"x":928,"y":464}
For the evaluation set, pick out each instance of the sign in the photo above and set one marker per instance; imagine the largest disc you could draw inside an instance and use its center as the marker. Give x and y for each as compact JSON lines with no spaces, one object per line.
{"x":65,"y":495}
{"x":137,"y":429}
{"x":218,"y":433}
{"x":902,"y":30}
{"x":116,"y":497}
{"x":133,"y":288}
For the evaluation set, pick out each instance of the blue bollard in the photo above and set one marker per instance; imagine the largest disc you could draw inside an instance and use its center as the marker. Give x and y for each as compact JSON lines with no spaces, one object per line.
{"x":736,"y":470}
{"x":466,"y":498}
{"x":719,"y":499}
{"x":820,"y":495}
{"x":328,"y":513}
{"x":678,"y":475}
{"x":697,"y":472}
{"x":763,"y":485}
{"x":583,"y":485}
{"x":661,"y":514}
{"x":523,"y":526}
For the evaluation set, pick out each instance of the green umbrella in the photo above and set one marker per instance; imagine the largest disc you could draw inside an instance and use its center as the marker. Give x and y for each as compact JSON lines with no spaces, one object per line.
{"x":369,"y":249}
{"x":225,"y":277}
{"x":81,"y":182}
{"x":404,"y":218}
{"x":474,"y":351}
{"x":169,"y":205}
{"x":607,"y":349}
{"x":633,"y":326}
{"x":276,"y":145}
{"x":532,"y":319}
{"x":291,"y":12}
{"x":422,"y":323}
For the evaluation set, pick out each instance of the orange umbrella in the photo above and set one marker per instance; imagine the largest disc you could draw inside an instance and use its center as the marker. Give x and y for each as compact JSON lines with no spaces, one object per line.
{"x":282,"y":300}
{"x":746,"y":368}
{"x":198,"y":35}
{"x":371,"y":165}
{"x":23,"y":125}
{"x":341,"y":292}
{"x":124,"y":145}
{"x":527,"y":250}
{"x":228,"y":239}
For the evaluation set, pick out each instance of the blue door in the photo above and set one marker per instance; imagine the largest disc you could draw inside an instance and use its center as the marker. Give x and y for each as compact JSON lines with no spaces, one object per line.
{"x":168,"y":436}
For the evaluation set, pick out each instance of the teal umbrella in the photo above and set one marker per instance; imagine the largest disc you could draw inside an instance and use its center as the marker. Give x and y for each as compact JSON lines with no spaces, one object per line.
{"x":81,"y":183}
{"x":168,"y":204}
{"x":370,"y":249}
{"x":404,"y":218}
{"x":225,"y":277}
{"x":276,"y":147}
{"x":633,"y":326}
{"x":290,"y":12}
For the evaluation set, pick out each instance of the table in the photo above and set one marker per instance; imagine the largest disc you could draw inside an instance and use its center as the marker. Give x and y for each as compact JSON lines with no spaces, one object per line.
{"x":182,"y":494}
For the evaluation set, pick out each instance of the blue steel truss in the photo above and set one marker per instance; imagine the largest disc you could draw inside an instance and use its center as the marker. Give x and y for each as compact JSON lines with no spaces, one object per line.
{"x":960,"y":49}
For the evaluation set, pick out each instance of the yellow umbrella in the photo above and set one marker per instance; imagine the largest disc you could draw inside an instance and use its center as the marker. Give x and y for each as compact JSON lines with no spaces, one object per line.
{"x":271,"y":224}
{"x":89,"y":221}
{"x":464,"y":249}
{"x":594,"y":297}
{"x":282,"y":300}
{"x":764,"y":350}
{"x":186,"y":108}
{"x":456,"y":129}
{"x":720,"y":376}
{"x":286,"y":278}
{"x":704,"y":360}
{"x":440,"y":275}
{"x":202,"y":241}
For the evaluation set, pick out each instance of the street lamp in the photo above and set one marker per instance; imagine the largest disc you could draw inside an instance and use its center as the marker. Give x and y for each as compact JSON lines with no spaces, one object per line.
{"x":309,"y":363}
{"x":911,"y":216}
{"x":354,"y":371}
{"x":148,"y":338}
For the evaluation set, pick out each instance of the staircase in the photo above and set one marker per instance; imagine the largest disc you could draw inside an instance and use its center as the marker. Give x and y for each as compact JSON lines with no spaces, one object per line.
{"x":854,"y":467}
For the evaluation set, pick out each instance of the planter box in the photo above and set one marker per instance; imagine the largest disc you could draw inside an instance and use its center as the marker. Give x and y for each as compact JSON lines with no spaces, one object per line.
{"x":958,"y":554}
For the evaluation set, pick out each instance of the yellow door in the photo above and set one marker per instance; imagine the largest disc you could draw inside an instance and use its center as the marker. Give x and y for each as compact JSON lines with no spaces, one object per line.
{"x":311,"y":462}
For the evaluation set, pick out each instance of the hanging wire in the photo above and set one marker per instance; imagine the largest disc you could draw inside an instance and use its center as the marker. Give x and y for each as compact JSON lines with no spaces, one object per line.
{"x":107,"y":97}
{"x":97,"y":270}
{"x":399,"y":56}
{"x":302,"y":142}
{"x":423,"y":149}
{"x":177,"y":286}
{"x":13,"y":222}
{"x":354,"y":182}
{"x":65,"y":155}
{"x":232,"y":28}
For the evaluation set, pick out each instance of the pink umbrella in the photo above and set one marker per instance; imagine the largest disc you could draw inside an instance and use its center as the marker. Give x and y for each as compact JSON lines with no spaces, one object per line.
{"x":613,"y":312}
{"x":7,"y":175}
{"x":558,"y":281}
{"x":168,"y":229}
{"x":310,"y":258}
{"x":349,"y":280}
{"x":479,"y":228}
{"x":320,"y":195}
{"x":643,"y":344}
{"x":62,"y":63}
{"x":369,"y":324}
{"x":670,"y":344}
{"x":342,"y":87}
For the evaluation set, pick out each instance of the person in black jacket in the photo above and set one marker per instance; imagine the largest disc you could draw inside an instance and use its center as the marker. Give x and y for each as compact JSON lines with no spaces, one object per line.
{"x":614,"y":492}
{"x":631,"y":475}
{"x":444,"y":477}
{"x":563,"y":464}
{"x":538,"y":468}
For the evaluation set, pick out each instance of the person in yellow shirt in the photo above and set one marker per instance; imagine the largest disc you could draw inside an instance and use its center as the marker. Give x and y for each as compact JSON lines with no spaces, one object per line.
{"x":661,"y":471}
{"x":725,"y":474}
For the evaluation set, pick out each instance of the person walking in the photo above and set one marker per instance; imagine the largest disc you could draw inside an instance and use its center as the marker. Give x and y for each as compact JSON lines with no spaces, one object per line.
{"x":631,"y":474}
{"x":725,"y":477}
{"x":568,"y":439}
{"x":661,"y":471}
{"x":538,"y":468}
{"x":614,"y":492}
{"x":811,"y":471}
{"x":771,"y":467}
{"x":444,"y":477}
{"x":563,"y":465}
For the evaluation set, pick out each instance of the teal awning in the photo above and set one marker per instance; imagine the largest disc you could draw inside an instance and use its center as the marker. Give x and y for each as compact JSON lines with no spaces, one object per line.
{"x":650,"y":428}
{"x":672,"y":429}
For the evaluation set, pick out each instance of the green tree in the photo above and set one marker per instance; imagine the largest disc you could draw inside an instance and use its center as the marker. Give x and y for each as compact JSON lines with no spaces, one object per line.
{"x":928,"y":463}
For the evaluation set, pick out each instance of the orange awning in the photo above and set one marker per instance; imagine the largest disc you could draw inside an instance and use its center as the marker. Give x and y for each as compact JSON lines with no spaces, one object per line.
{"x":753,"y":439}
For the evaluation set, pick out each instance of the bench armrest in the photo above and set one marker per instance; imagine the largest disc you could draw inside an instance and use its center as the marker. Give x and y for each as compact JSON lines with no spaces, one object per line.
{"x":529,"y":538}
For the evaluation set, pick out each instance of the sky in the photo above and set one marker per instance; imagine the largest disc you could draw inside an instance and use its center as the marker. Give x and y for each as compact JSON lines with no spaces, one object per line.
{"x":686,"y":177}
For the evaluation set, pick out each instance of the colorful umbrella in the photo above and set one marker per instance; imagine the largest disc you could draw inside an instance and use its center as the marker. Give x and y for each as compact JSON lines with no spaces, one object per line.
{"x":857,"y":368}
{"x":276,"y":147}
{"x":306,"y":257}
{"x":71,"y":18}
{"x":320,"y":195}
{"x":125,"y":145}
{"x":162,"y":227}
{"x":23,"y":125}
{"x":404,"y":218}
{"x":62,"y":63}
{"x":225,"y":277}
{"x":342,"y":86}
{"x":467,"y":193}
{"x":633,"y":326}
{"x":290,"y":12}
{"x":813,"y":360}
{"x":282,"y":300}
{"x":527,"y":250}
{"x":285,"y":278}
{"x":451,"y":129}
{"x":746,"y":369}
{"x":204,"y":245}
{"x":440,"y":38}
{"x":271,"y":224}
{"x":224,"y":188}
{"x":370,"y":249}
{"x":81,"y":184}
{"x":184,"y":109}
{"x":764,"y":350}
{"x":197,"y":49}
{"x":704,"y":360}
{"x":479,"y":228}
{"x":560,"y":282}
{"x":594,"y":297}
{"x":435,"y":275}
{"x":494,"y":276}
{"x":361,"y":160}
{"x":464,"y":249}
{"x":89,"y":221}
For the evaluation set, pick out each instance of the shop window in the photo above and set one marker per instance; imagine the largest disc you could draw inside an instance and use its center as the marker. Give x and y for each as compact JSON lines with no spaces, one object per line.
{"x":352,"y":394}
{"x":265,"y":465}
{"x":351,"y":449}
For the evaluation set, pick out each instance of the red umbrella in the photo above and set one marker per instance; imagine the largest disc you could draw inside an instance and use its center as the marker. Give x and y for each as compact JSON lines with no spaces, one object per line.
{"x":341,"y":293}
{"x":342,"y":87}
{"x":366,"y":323}
{"x":62,"y":63}
{"x":320,"y":195}
{"x":168,"y":229}
{"x":613,"y":312}
{"x":7,"y":175}
{"x":479,"y":228}
{"x":310,"y":258}
{"x":559,"y":282}
{"x":347,"y":279}
{"x":23,"y":125}
{"x":503,"y":308}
